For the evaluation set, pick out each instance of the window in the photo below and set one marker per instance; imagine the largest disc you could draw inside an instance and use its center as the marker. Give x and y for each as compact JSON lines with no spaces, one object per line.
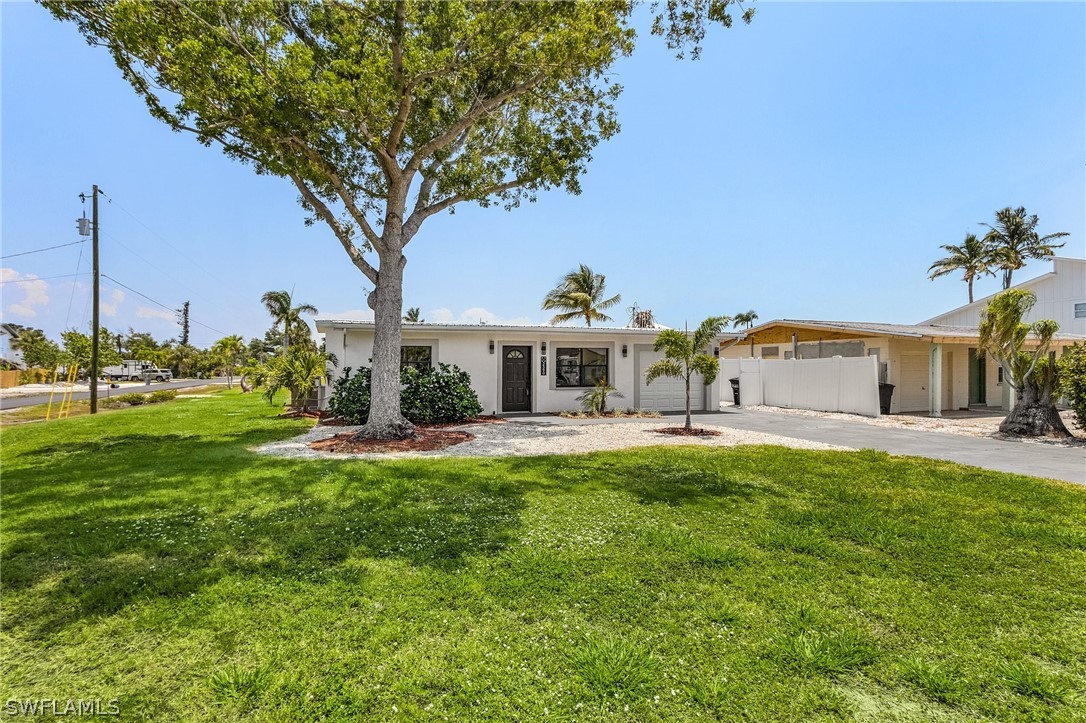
{"x":415,"y":356}
{"x":999,"y":374}
{"x":1080,"y":311}
{"x":771,"y":352}
{"x":579,"y":367}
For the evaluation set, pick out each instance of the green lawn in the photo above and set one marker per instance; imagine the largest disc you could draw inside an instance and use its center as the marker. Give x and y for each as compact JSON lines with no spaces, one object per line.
{"x":149,"y":557}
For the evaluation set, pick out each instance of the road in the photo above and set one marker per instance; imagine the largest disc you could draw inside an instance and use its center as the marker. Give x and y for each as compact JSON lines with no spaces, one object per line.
{"x":16,"y":402}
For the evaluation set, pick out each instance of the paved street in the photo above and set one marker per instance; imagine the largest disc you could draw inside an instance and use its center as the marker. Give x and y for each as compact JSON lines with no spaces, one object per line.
{"x":15,"y":402}
{"x":1040,"y":460}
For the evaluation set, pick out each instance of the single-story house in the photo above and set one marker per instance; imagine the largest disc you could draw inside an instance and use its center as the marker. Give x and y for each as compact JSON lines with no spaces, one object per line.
{"x":531,"y":368}
{"x":932,"y":367}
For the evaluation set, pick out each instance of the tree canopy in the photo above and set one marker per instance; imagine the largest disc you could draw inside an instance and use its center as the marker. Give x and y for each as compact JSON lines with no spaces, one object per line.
{"x":383,"y":114}
{"x":579,"y":295}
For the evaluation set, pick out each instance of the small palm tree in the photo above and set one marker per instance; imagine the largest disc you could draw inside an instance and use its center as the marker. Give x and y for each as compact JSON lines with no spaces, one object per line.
{"x":280,"y":305}
{"x":229,"y":349}
{"x":580,"y":294}
{"x":412,"y":316}
{"x":1015,"y":240}
{"x":683,"y":355}
{"x":746,"y":318}
{"x":973,"y":258}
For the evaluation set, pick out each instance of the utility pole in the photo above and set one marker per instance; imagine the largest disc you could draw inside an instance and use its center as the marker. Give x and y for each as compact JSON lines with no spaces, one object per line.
{"x":94,"y":312}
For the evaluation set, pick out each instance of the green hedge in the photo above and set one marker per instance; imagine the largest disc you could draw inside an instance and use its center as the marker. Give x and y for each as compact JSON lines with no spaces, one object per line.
{"x":428,"y":396}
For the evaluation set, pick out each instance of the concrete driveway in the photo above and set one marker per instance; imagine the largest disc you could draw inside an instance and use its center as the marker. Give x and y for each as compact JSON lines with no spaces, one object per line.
{"x":1029,"y":458}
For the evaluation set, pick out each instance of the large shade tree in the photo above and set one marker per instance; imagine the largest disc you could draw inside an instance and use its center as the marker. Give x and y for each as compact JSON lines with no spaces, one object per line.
{"x":579,"y":295}
{"x":383,"y":114}
{"x":973,"y":257}
{"x":1014,"y":241}
{"x":1022,"y":350}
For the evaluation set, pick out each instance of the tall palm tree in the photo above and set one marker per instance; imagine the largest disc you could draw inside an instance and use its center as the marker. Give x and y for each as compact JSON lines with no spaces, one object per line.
{"x":746,"y":318}
{"x":973,"y":258}
{"x":412,"y":316}
{"x":280,"y":305}
{"x":1015,"y":240}
{"x":580,"y":294}
{"x":684,"y":355}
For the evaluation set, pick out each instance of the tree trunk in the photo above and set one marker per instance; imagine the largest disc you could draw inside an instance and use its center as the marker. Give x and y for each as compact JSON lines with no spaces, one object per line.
{"x":246,"y":387}
{"x":386,"y":300}
{"x":688,"y":427}
{"x":970,"y":290}
{"x":1034,"y":413}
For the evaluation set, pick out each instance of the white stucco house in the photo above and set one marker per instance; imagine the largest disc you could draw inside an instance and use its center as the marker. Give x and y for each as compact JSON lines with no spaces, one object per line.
{"x":531,"y":369}
{"x":935,"y":365}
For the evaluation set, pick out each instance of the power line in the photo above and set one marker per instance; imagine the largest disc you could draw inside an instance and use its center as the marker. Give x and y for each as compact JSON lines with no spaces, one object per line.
{"x":42,"y":278}
{"x":161,"y":238}
{"x":160,"y":304}
{"x":38,"y":251}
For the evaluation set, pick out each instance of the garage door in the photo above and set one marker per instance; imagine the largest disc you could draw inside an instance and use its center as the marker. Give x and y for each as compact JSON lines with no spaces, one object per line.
{"x":912,"y":392}
{"x":666,"y":394}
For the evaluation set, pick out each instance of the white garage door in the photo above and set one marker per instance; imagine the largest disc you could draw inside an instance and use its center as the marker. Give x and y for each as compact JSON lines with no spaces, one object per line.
{"x":912,"y":391}
{"x":666,"y":394}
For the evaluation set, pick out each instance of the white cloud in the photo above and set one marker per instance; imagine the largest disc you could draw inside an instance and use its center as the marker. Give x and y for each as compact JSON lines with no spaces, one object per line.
{"x":474,"y":315}
{"x":34,"y":292}
{"x":109,"y":308}
{"x":146,"y":312}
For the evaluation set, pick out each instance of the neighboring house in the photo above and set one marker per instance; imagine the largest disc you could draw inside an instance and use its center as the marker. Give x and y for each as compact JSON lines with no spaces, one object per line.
{"x":935,"y":365}
{"x":1061,"y":296}
{"x":531,"y":368}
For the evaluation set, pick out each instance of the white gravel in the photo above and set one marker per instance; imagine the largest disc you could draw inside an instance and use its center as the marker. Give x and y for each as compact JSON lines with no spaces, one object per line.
{"x":534,"y":438}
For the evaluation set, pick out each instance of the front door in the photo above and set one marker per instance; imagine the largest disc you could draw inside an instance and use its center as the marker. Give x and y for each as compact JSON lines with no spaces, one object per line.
{"x":516,"y":380}
{"x":978,"y":382}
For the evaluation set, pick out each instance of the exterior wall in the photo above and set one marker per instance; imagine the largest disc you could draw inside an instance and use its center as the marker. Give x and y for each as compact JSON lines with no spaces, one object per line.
{"x":1056,"y":293}
{"x":470,"y":350}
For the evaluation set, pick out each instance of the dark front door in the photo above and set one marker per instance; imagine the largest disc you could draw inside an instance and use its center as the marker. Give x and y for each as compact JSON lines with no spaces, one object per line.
{"x":978,"y":381}
{"x":516,"y":381}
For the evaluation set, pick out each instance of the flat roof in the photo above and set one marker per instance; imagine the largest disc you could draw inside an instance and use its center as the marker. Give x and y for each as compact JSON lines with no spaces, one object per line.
{"x":326,"y":324}
{"x":858,"y":329}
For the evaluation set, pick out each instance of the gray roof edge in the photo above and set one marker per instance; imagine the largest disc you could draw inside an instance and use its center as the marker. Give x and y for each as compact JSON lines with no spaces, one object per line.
{"x":324,"y":324}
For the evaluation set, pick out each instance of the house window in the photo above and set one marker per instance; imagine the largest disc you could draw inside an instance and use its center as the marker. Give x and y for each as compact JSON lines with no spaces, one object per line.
{"x":1080,"y":311}
{"x":579,"y":367}
{"x":771,"y":352}
{"x":419,"y":357}
{"x":999,"y":374}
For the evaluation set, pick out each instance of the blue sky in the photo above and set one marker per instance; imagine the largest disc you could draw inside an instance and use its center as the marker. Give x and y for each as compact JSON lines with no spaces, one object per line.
{"x":808,"y":166}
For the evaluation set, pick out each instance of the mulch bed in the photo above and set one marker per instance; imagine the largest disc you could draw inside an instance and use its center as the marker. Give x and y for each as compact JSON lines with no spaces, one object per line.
{"x":328,"y":421}
{"x":427,"y":439}
{"x":684,"y":432}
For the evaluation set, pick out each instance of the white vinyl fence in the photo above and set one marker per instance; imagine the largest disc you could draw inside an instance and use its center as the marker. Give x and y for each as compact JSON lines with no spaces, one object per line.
{"x":840,"y":384}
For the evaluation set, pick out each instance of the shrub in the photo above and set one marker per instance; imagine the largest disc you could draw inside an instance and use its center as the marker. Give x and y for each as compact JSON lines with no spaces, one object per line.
{"x":350,"y":399}
{"x":163,"y":395}
{"x":131,"y":398}
{"x":1072,"y":375}
{"x":435,"y":396}
{"x":594,"y":400}
{"x":428,"y":396}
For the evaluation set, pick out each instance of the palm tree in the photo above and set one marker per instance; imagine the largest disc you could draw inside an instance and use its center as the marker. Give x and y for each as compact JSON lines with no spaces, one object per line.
{"x":1014,"y":240}
{"x":746,"y":318}
{"x":683,"y":355}
{"x":229,"y":349}
{"x":412,"y":316}
{"x":974,"y":258}
{"x":280,"y":305}
{"x":580,"y":294}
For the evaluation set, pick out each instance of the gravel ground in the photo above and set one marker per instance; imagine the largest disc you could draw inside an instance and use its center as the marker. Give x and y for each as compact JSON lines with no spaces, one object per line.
{"x":528,"y":439}
{"x":986,"y":426}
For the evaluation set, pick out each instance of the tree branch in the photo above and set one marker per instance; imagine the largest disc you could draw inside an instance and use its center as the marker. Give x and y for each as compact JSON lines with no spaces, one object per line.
{"x":341,"y":233}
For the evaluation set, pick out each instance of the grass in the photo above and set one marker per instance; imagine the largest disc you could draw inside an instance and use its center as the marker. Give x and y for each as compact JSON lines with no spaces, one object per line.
{"x":149,"y":557}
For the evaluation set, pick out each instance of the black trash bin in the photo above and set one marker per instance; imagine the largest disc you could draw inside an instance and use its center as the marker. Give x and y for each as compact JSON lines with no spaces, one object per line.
{"x":886,"y":392}
{"x":735,"y":390}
